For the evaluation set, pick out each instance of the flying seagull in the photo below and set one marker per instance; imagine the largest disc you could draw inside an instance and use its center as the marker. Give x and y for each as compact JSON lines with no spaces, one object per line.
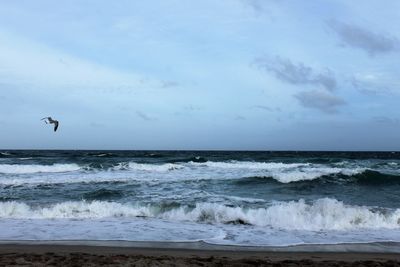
{"x":51,"y":121}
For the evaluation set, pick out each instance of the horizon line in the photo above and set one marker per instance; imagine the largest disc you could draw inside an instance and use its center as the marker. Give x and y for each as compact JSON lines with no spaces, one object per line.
{"x":204,"y":150}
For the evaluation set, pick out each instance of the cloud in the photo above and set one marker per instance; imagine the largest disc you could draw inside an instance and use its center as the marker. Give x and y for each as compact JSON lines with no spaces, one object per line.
{"x":192,"y":108}
{"x":259,"y":5}
{"x":296,"y":73}
{"x":188,"y":110}
{"x":168,"y":84}
{"x":364,"y":86}
{"x":357,"y":37}
{"x":300,"y":74}
{"x":375,"y":82}
{"x":239,"y":118}
{"x":266,"y":108}
{"x":385,"y":120}
{"x":322,"y":100}
{"x":144,"y":116}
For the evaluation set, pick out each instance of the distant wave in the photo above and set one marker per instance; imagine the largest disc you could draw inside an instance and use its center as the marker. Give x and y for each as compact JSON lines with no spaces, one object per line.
{"x":150,"y":167}
{"x":312,"y":174}
{"x":242,"y":171}
{"x":249,"y":165}
{"x":5,"y":154}
{"x":189,"y":159}
{"x":284,"y":172}
{"x":102,"y":155}
{"x":33,"y":168}
{"x":323,"y":214}
{"x":364,"y":177}
{"x":371,"y":177}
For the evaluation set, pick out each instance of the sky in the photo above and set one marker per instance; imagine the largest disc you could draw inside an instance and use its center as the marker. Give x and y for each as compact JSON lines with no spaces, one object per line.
{"x":223,"y":75}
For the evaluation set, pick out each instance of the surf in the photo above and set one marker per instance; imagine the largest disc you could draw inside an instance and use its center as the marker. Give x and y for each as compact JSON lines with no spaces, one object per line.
{"x":321,"y":214}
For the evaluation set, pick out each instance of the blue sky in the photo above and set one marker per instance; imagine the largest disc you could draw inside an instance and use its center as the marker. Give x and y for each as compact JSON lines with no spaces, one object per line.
{"x":233,"y":74}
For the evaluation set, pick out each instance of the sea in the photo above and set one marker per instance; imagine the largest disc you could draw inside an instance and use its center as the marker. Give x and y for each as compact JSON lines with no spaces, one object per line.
{"x":239,"y":198}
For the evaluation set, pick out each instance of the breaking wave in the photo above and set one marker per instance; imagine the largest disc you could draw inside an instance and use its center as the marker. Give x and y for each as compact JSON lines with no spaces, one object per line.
{"x":33,"y":168}
{"x":307,"y":174}
{"x":153,"y":167}
{"x":250,"y":165}
{"x":282,"y":172}
{"x":242,"y":171}
{"x":323,"y":214}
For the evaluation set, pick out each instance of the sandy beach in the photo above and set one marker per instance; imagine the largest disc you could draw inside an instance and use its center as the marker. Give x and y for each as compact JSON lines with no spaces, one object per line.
{"x":42,"y":254}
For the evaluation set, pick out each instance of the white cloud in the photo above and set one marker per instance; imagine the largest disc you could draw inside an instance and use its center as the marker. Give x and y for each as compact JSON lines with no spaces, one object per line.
{"x":375,"y":82}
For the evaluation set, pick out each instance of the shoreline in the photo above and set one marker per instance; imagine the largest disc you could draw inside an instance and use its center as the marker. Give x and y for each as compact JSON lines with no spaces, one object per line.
{"x":372,"y":247}
{"x":83,"y":253}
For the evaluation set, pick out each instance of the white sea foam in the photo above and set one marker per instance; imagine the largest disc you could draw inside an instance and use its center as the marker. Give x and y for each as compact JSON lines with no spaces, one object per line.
{"x":282,"y":172}
{"x":33,"y":168}
{"x":311,"y":173}
{"x":250,"y":165}
{"x":241,"y":199}
{"x":132,"y":171}
{"x":154,"y":167}
{"x":323,"y":214}
{"x":72,"y":209}
{"x":102,"y":155}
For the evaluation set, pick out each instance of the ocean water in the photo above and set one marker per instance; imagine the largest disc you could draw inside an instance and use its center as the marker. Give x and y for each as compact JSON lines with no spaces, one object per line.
{"x":233,"y":198}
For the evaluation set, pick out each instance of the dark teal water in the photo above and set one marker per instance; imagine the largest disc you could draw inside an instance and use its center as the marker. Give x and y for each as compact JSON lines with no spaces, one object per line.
{"x":293,"y":195}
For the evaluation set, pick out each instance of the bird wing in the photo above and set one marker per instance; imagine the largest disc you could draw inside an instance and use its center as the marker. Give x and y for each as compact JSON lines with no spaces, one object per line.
{"x":55,"y":125}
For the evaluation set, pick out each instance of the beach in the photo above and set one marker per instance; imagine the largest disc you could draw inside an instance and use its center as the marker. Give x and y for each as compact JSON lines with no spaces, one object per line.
{"x":200,"y":133}
{"x":42,"y":254}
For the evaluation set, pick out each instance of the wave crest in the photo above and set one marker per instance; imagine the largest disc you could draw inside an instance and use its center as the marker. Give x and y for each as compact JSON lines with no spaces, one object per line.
{"x":152,"y":167}
{"x":249,"y":165}
{"x":285,"y":172}
{"x":307,"y":174}
{"x":323,"y":214}
{"x":210,"y":170}
{"x":32,"y":168}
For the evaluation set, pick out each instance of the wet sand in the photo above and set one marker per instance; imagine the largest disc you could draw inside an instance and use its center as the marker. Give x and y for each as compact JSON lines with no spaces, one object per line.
{"x":39,"y":254}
